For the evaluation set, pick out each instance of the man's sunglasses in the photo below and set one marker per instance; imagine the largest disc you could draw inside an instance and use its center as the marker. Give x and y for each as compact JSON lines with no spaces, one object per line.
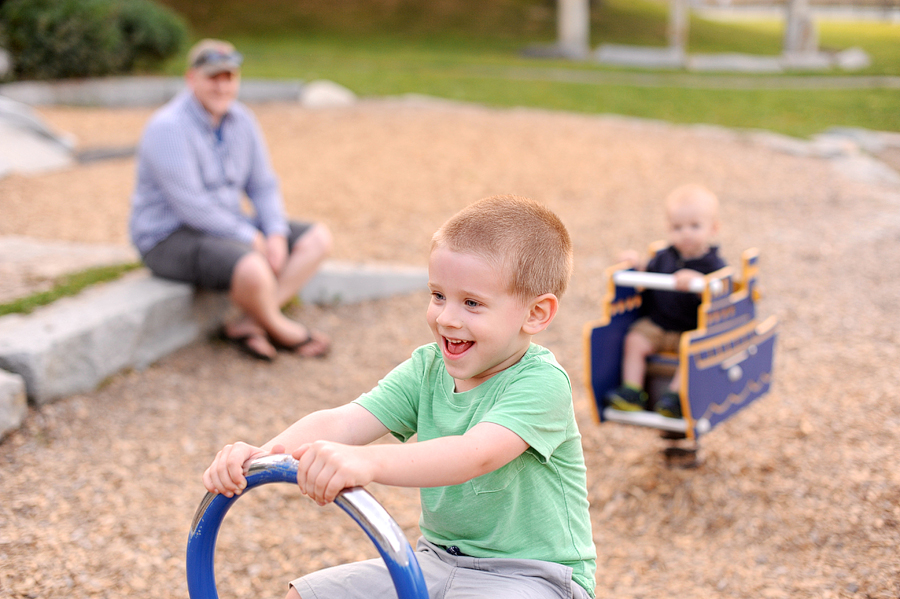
{"x":212,"y":57}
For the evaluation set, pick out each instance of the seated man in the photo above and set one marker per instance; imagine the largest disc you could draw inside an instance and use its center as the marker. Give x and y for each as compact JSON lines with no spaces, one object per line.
{"x":199,"y":155}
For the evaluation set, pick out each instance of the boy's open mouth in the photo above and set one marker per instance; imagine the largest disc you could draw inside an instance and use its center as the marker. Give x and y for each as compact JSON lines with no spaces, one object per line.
{"x":455,"y":347}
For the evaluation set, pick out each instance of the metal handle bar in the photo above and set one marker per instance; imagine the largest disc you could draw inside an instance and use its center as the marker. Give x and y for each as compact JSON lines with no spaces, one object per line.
{"x":655,"y":280}
{"x":384,"y":532}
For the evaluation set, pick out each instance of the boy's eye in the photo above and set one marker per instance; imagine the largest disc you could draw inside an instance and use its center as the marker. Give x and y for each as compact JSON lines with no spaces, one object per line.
{"x":471,"y":304}
{"x":437,"y":295}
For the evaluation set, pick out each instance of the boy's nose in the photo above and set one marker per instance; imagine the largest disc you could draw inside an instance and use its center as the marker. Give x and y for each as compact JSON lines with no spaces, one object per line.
{"x":448,"y":318}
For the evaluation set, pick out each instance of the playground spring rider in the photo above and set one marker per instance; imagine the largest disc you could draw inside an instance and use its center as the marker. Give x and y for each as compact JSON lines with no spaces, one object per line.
{"x":724,"y":364}
{"x":357,"y":502}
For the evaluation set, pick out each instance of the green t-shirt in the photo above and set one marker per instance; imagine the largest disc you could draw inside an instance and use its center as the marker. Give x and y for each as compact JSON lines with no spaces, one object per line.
{"x":536,"y":506}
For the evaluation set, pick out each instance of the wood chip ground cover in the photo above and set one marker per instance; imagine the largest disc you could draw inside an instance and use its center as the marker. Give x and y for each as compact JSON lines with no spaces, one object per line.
{"x":797,"y":496}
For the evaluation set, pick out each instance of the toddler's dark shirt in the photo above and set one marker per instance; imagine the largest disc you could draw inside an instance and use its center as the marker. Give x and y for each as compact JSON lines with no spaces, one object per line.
{"x":675,"y":310}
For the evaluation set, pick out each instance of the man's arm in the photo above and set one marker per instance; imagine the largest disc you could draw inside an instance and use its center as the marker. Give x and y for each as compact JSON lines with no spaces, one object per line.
{"x":276,"y":252}
{"x":262,"y":187}
{"x":326,"y":467}
{"x":349,"y":424}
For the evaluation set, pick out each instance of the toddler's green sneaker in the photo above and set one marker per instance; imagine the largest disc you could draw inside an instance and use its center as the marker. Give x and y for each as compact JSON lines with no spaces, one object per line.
{"x":627,"y":399}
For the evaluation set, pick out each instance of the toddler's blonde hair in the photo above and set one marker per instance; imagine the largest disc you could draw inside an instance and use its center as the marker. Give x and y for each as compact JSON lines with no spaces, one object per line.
{"x":695,"y":194}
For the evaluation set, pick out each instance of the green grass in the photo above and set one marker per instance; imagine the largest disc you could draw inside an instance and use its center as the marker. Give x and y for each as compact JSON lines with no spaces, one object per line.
{"x":67,"y":285}
{"x":460,"y":51}
{"x":880,"y":40}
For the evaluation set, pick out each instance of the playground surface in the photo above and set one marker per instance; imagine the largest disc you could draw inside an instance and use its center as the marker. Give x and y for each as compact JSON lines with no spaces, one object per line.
{"x":797,"y":496}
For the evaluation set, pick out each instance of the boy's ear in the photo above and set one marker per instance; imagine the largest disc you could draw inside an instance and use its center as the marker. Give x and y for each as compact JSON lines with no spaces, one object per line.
{"x":540,"y":315}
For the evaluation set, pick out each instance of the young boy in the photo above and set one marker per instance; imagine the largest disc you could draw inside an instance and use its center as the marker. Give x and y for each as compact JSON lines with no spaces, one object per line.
{"x":692,"y":214}
{"x":498,"y":454}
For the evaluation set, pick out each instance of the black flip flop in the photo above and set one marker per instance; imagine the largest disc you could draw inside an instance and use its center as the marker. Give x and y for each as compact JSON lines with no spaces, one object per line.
{"x":296,"y":346}
{"x":240,"y":343}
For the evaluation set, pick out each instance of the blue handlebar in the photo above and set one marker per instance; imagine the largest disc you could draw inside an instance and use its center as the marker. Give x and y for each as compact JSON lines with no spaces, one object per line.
{"x":384,"y":532}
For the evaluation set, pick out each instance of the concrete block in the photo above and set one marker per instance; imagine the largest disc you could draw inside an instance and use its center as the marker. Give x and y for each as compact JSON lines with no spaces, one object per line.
{"x":74,"y":344}
{"x":177,"y":316}
{"x":873,"y":142}
{"x":28,"y":264}
{"x":866,"y":169}
{"x":806,"y":61}
{"x":270,"y":90}
{"x":347,"y":283}
{"x":13,"y":402}
{"x":326,"y":94}
{"x":852,"y":59}
{"x":555,"y":51}
{"x":24,"y":152}
{"x":134,"y":91}
{"x":640,"y":56}
{"x":112,"y":91}
{"x":825,"y":145}
{"x":735,"y":62}
{"x":29,"y":144}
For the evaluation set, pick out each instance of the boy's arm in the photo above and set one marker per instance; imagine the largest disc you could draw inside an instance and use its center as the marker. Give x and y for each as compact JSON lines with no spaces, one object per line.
{"x":349,"y":424}
{"x":326,"y":467}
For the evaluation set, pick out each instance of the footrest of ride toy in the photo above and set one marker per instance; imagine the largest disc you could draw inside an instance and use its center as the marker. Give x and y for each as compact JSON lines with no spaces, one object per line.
{"x":645,"y":418}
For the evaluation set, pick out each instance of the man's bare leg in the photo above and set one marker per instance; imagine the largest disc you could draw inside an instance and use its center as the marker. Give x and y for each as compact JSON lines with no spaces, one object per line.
{"x":303,"y":262}
{"x":252,"y":335}
{"x":260,"y":295}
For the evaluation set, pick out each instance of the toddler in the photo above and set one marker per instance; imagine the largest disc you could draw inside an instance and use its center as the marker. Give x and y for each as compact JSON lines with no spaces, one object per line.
{"x":692,"y":215}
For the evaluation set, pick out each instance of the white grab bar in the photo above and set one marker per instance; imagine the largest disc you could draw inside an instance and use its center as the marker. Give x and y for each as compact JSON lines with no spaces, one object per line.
{"x":655,"y":280}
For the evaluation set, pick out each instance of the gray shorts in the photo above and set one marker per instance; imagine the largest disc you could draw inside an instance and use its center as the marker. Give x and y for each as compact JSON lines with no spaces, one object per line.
{"x":203,"y":260}
{"x":447,"y":577}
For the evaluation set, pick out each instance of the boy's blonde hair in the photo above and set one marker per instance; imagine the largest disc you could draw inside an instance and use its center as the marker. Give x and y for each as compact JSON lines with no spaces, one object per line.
{"x":522,"y":238}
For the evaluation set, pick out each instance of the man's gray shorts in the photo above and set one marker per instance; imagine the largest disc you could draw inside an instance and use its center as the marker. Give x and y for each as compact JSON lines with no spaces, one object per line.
{"x":203,"y":260}
{"x":447,"y":577}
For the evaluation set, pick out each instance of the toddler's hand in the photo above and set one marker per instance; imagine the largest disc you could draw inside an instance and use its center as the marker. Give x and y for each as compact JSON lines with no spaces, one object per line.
{"x":684,"y":277}
{"x":631,"y":257}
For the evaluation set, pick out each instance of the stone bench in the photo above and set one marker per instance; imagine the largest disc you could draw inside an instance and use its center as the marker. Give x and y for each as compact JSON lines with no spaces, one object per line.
{"x":75,"y":343}
{"x":72,"y":345}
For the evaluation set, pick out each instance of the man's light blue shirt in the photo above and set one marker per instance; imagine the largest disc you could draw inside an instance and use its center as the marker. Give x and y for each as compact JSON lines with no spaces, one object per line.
{"x":191,"y":174}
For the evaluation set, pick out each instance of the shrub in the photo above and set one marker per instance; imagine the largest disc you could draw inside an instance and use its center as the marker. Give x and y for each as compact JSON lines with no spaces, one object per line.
{"x":152,"y":33}
{"x":61,"y":38}
{"x":51,"y":39}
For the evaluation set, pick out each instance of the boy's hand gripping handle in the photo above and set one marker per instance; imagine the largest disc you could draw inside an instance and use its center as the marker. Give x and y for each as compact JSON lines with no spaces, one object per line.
{"x":363,"y":508}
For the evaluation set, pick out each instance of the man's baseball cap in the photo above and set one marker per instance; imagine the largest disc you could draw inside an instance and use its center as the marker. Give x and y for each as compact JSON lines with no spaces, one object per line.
{"x":212,"y":57}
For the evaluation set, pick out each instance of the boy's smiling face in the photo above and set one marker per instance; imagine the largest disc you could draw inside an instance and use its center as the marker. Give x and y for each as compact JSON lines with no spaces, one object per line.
{"x":475,"y":319}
